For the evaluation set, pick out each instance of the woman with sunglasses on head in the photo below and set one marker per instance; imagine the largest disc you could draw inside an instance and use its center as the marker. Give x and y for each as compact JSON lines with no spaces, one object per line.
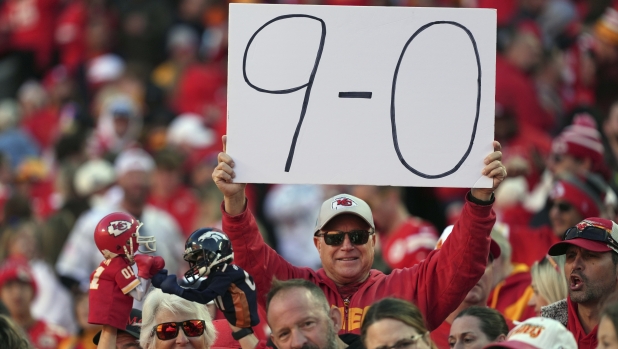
{"x":393,"y":323}
{"x":169,"y":321}
{"x":548,"y":282}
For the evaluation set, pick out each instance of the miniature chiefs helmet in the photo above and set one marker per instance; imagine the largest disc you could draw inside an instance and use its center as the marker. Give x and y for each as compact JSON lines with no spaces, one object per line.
{"x":118,"y":234}
{"x":205,"y":249}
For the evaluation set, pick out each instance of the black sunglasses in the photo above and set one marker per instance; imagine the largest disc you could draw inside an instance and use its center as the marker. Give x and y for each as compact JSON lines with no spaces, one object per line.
{"x":169,"y":330}
{"x":563,"y":206}
{"x":590,"y":233}
{"x":336,"y":238}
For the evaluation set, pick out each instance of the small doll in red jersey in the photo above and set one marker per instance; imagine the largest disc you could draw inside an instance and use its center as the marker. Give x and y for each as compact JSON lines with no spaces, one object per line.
{"x":113,"y":285}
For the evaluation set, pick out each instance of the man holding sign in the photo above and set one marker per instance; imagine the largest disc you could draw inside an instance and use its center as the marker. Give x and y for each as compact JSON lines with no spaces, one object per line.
{"x":345,"y":238}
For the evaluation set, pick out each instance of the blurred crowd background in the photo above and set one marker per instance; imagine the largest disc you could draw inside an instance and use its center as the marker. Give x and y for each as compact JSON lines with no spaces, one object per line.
{"x":121,"y":104}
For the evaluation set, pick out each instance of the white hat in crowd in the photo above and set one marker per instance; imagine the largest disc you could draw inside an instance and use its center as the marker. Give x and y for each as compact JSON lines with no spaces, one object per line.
{"x":93,"y":176}
{"x":134,"y":159}
{"x":343,"y":203}
{"x":189,"y":129}
{"x":538,"y":333}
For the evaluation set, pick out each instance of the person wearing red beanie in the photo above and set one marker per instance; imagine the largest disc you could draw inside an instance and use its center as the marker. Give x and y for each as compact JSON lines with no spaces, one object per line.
{"x":17,"y":291}
{"x":578,"y":149}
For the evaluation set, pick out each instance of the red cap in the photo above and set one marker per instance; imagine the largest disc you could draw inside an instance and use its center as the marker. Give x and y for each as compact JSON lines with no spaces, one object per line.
{"x":610,"y":227}
{"x":17,"y":270}
{"x":575,"y":193}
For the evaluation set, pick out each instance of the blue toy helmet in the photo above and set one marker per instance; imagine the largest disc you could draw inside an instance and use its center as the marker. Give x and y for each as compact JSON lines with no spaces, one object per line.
{"x":205,"y":250}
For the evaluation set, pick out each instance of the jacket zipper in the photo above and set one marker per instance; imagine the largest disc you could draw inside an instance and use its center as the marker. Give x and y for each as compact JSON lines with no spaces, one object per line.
{"x":346,"y":309}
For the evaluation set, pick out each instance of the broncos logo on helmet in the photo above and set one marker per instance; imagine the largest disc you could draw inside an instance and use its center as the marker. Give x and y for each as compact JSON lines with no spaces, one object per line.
{"x":206,"y":249}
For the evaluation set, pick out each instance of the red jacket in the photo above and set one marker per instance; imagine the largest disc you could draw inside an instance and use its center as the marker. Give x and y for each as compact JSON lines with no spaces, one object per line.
{"x":517,"y":91}
{"x":461,"y":262}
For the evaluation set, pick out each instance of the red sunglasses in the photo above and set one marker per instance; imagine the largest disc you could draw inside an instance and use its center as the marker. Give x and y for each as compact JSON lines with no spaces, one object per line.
{"x":169,"y":330}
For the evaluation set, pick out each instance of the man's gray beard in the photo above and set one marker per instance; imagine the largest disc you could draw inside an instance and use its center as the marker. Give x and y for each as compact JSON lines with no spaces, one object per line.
{"x":331,"y":341}
{"x":331,"y":338}
{"x":592,"y":292}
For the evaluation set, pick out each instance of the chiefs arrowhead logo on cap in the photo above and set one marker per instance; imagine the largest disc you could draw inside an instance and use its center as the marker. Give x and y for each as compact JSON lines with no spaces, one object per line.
{"x":342,"y":202}
{"x":557,"y":191}
{"x":118,"y":227}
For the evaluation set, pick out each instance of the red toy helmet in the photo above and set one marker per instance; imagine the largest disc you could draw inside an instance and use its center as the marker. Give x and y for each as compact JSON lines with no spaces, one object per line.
{"x":118,"y":234}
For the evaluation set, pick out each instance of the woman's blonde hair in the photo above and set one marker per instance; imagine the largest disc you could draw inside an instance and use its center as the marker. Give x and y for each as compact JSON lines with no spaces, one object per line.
{"x":157,"y":301}
{"x":548,"y":278}
{"x":396,"y":309}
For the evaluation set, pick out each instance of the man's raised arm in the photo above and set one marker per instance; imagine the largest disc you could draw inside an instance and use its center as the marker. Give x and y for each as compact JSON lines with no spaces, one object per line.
{"x":234,"y":198}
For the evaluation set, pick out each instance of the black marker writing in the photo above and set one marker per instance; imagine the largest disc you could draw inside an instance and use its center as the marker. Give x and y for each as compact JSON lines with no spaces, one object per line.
{"x":308,"y":85}
{"x":478,"y":102}
{"x":355,"y":95}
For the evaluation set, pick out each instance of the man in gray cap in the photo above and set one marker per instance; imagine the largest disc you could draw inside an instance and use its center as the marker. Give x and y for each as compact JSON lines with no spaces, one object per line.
{"x":133,"y":169}
{"x":345,"y":238}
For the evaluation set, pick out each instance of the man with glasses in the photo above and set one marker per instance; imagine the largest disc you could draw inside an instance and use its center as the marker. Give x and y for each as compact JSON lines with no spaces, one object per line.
{"x":345,"y":238}
{"x":573,"y":198}
{"x":591,"y":269}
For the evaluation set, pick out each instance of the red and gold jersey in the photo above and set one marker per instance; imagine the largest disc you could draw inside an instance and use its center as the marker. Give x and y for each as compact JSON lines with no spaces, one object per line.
{"x":110,"y":284}
{"x":46,"y":336}
{"x":409,"y":244}
{"x":511,"y":296}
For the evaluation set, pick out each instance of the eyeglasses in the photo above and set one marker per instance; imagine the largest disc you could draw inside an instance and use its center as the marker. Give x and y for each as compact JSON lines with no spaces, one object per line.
{"x":169,"y":330}
{"x":335,"y":238}
{"x":590,"y":232}
{"x":563,"y":206}
{"x":407,"y":343}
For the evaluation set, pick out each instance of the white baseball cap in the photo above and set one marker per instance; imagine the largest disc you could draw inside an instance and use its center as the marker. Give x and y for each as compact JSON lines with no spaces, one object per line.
{"x":189,"y":129}
{"x":92,"y":176}
{"x":538,"y":333}
{"x":134,"y":159}
{"x":105,"y":68}
{"x":340,"y":204}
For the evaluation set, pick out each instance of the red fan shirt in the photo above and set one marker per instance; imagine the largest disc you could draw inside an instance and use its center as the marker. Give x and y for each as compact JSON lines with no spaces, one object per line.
{"x":511,"y":296}
{"x":46,"y":336}
{"x":409,"y":244}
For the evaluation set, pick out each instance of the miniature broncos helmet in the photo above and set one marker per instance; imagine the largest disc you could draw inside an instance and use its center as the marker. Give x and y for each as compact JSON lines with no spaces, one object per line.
{"x":205,"y":249}
{"x":118,"y":234}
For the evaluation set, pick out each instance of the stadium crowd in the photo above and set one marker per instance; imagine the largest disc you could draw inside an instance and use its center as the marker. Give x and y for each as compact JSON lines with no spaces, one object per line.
{"x":110,"y":105}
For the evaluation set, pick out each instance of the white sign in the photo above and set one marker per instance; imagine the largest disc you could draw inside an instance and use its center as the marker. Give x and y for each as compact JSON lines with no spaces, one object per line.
{"x":361,"y":95}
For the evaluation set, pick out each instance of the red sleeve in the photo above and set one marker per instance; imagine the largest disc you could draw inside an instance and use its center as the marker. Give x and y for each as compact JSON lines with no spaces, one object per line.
{"x":123,"y":274}
{"x":255,"y":256}
{"x":441,"y":282}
